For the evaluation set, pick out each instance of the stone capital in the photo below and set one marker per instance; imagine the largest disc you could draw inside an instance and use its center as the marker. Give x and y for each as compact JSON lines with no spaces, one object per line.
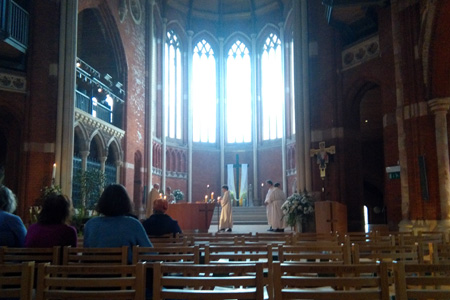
{"x":439,"y":104}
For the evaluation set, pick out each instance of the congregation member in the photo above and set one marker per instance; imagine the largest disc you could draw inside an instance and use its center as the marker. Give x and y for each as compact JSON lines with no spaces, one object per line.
{"x":169,"y":196}
{"x":12,"y":229}
{"x":226,"y":217}
{"x":114,"y":227}
{"x":160,"y":223}
{"x":52,"y":227}
{"x":277,"y":198}
{"x":152,"y":196}
{"x":268,"y":203}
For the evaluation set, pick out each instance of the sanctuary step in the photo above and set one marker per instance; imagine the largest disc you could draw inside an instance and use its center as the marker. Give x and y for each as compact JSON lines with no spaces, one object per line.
{"x":254,"y":215}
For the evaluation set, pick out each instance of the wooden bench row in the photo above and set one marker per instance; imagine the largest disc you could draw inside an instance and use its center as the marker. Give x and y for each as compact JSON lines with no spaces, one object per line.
{"x":318,"y":252}
{"x":225,"y":281}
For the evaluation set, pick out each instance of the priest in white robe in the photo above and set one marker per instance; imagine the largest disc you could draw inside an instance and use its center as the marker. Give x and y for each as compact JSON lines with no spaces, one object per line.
{"x":226,"y":217}
{"x":277,"y":198}
{"x":152,"y":196}
{"x":268,"y":203}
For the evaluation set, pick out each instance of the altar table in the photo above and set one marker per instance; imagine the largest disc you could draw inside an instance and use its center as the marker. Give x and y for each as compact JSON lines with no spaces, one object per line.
{"x":192,"y":216}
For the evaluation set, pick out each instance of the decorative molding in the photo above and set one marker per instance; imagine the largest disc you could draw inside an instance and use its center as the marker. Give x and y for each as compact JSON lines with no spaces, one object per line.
{"x":92,"y":122}
{"x":135,"y":10}
{"x":156,"y":171}
{"x":13,"y":83}
{"x":123,"y":10}
{"x":360,"y":53}
{"x":172,"y":174}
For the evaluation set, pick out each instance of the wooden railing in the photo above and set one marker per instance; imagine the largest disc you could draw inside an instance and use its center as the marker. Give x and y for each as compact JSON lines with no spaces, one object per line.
{"x":14,"y":25}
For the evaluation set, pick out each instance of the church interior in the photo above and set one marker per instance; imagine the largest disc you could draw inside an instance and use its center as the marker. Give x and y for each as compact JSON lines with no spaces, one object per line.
{"x":344,"y":99}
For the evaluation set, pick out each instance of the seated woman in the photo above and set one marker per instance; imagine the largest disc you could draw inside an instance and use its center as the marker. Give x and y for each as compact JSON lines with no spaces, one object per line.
{"x":12,"y":229}
{"x":51,"y":228}
{"x":160,"y":223}
{"x":115,"y":227}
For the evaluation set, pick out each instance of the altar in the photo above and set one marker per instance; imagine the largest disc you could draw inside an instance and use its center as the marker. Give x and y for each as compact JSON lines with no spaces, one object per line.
{"x":192,"y":216}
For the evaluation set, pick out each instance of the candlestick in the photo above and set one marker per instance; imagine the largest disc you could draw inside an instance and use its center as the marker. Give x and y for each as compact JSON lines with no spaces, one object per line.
{"x":212,"y":195}
{"x":54,"y":171}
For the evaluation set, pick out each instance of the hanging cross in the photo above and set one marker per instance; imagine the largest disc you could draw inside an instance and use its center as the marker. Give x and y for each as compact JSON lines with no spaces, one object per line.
{"x":322,"y":157}
{"x":237,"y":166}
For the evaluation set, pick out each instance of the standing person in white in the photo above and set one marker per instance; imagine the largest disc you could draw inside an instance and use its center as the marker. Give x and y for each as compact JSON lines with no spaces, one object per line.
{"x":268,"y":204}
{"x":226,"y":218}
{"x":278,"y":197}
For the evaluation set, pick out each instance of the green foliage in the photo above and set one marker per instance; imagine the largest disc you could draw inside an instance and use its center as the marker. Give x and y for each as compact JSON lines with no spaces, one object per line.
{"x":48,"y":190}
{"x":178,"y":195}
{"x":91,"y":182}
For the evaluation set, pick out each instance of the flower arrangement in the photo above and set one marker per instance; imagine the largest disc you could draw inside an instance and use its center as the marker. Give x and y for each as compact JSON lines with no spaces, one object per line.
{"x":178,"y":195}
{"x":298,"y":206}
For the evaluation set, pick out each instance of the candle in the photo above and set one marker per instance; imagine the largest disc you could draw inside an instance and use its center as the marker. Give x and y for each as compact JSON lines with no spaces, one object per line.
{"x":262,"y":184}
{"x":160,"y":195}
{"x":212,"y":195}
{"x":54,"y":171}
{"x":207,"y":186}
{"x":206,"y":198}
{"x":165,"y":197}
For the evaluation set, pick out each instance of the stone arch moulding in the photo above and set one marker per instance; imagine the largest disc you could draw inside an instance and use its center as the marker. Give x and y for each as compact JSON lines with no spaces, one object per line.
{"x":208,"y":37}
{"x":99,"y":139}
{"x":83,"y":136}
{"x":115,"y":146}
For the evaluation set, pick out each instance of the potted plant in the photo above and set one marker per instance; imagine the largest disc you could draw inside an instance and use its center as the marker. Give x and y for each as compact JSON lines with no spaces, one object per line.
{"x":178,"y":195}
{"x":298,"y":208}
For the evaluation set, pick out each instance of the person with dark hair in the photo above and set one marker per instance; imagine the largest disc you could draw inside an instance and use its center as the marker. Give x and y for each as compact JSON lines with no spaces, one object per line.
{"x":268,"y":203}
{"x":115,"y":227}
{"x":12,"y":229}
{"x":51,"y":228}
{"x":160,"y":223}
{"x":226,"y":217}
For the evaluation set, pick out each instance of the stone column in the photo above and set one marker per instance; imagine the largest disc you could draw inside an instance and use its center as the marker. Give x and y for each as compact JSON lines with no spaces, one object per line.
{"x":103,"y":163}
{"x":66,"y":94}
{"x":257,"y":200}
{"x":440,"y":107}
{"x":190,"y":109}
{"x":84,"y":156}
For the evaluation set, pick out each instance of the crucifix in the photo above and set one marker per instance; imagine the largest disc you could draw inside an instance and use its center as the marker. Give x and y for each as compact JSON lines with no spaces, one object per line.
{"x":237,"y":166}
{"x":322,"y":159}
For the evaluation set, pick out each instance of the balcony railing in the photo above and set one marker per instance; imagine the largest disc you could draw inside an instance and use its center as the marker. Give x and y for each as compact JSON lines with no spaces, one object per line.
{"x":14,"y":25}
{"x":93,"y":108}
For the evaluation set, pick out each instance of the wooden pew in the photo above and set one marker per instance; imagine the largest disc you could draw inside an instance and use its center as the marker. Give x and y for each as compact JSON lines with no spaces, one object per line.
{"x":315,"y":252}
{"x":90,"y":282}
{"x":239,"y":254}
{"x":371,"y":253}
{"x":186,"y":254}
{"x":82,"y":255}
{"x":208,"y":281}
{"x":16,"y":280}
{"x":440,"y":253}
{"x":330,"y":281}
{"x":421,"y":281}
{"x":38,"y":255}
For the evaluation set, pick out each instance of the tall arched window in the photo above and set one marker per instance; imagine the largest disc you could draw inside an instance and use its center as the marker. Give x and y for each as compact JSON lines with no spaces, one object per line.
{"x":204,"y":93}
{"x":173,"y":85}
{"x":272,"y":88}
{"x":238,"y":90}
